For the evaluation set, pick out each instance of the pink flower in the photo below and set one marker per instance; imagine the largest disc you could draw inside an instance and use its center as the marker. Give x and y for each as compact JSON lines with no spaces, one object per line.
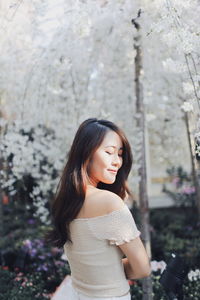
{"x":24,"y":282}
{"x":188,"y":190}
{"x":17,"y":279}
{"x":158,"y":265}
{"x":176,"y":180}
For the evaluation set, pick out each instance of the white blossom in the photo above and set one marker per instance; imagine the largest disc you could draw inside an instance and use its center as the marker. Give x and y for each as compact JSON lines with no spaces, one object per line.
{"x":188,"y":88}
{"x":187,"y":107}
{"x":29,"y":156}
{"x":194,"y":275}
{"x":174,"y":66}
{"x":150,"y":117}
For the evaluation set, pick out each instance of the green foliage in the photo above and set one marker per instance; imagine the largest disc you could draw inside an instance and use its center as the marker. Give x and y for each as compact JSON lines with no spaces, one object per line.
{"x":21,"y":286}
{"x":30,"y":268}
{"x":175,"y":230}
{"x":191,"y":289}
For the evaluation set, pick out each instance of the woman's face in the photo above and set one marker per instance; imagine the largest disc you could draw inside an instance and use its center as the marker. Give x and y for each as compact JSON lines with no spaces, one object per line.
{"x":106,"y":160}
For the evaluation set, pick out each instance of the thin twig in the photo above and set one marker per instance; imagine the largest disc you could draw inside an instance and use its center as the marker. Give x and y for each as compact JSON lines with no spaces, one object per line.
{"x":190,"y":74}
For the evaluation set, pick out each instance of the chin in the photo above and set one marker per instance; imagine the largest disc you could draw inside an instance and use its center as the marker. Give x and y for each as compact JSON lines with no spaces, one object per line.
{"x":108,"y":181}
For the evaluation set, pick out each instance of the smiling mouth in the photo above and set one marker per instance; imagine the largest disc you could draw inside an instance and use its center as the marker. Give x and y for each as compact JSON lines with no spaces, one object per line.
{"x":113,"y":171}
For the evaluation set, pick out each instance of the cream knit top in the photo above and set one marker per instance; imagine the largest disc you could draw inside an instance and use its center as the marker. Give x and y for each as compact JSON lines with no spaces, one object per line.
{"x":94,"y":258}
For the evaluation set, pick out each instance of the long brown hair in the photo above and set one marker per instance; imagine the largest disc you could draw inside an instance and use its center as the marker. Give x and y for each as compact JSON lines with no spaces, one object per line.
{"x":71,"y":189}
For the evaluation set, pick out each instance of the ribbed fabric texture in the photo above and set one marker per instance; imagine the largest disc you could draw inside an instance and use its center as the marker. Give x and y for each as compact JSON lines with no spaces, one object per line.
{"x":94,"y":258}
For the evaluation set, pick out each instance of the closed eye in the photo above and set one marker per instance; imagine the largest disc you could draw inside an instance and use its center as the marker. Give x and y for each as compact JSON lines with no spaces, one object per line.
{"x":120,"y":155}
{"x":108,"y":152}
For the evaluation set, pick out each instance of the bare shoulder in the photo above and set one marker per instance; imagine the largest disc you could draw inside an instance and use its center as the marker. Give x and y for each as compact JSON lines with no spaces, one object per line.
{"x":111,"y":201}
{"x":100,"y":202}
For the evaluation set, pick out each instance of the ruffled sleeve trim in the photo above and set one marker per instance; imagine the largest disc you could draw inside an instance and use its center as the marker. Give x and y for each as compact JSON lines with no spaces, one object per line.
{"x":112,"y":241}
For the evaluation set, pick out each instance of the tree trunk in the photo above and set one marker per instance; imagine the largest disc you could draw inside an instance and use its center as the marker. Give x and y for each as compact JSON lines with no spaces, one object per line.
{"x":143,"y":197}
{"x":194,"y":163}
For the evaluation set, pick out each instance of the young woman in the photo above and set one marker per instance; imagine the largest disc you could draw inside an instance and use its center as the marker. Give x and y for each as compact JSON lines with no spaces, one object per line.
{"x":90,"y":218}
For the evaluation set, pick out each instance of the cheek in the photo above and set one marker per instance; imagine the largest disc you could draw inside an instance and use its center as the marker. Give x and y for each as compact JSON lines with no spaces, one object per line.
{"x":100,"y":162}
{"x":103,"y":160}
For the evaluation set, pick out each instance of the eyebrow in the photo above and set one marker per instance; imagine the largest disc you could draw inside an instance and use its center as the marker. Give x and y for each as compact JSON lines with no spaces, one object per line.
{"x":114,"y":147}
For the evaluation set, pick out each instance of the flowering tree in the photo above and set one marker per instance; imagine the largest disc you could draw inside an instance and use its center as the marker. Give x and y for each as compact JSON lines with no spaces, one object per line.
{"x":73,"y":60}
{"x":177,"y":89}
{"x":32,"y":159}
{"x":70,"y":61}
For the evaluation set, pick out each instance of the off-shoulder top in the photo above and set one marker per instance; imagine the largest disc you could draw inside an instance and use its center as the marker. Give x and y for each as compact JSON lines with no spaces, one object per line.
{"x":94,"y":258}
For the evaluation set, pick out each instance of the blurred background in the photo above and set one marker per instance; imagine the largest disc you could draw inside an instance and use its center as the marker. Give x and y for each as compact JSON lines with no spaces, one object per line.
{"x":135,"y":63}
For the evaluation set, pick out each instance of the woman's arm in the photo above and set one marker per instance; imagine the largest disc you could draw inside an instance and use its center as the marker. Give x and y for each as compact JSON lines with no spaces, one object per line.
{"x":136,"y":264}
{"x":130,"y":274}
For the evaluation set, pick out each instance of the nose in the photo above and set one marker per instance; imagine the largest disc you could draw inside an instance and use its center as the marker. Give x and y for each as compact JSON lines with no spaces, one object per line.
{"x":116,"y":161}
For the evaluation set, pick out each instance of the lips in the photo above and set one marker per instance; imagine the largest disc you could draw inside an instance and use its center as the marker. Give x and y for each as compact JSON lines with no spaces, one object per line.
{"x":113,"y":171}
